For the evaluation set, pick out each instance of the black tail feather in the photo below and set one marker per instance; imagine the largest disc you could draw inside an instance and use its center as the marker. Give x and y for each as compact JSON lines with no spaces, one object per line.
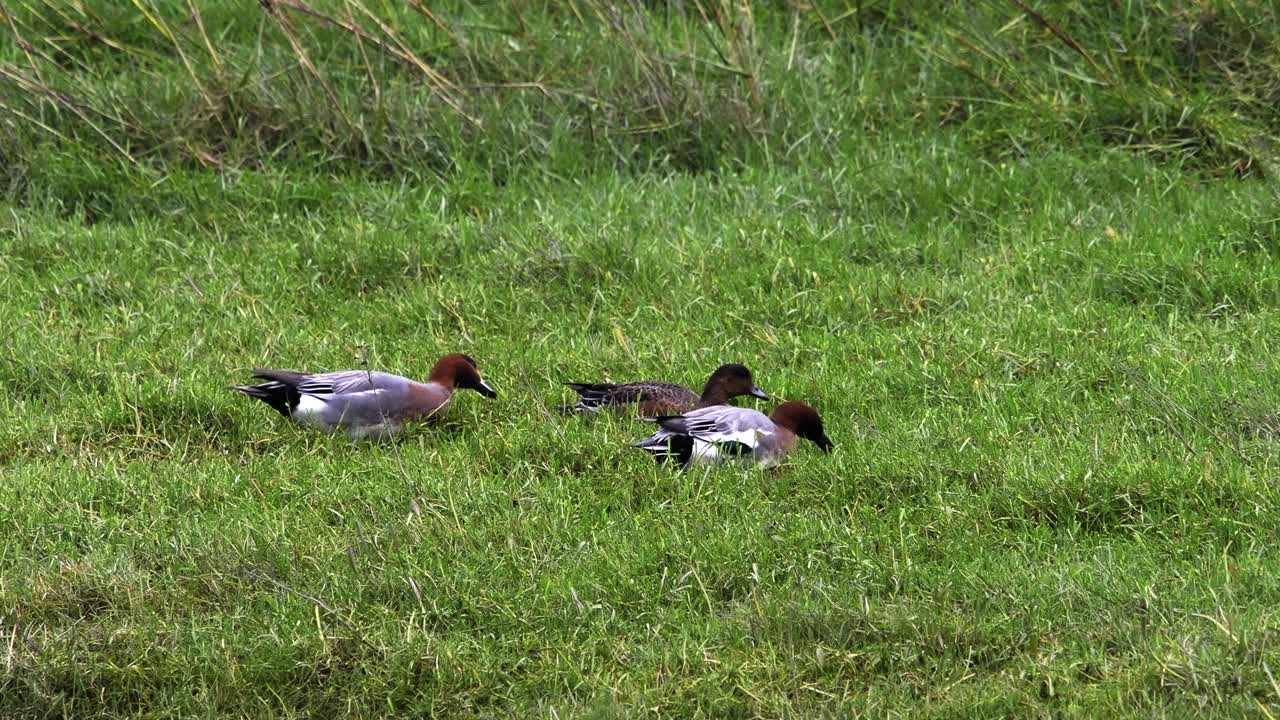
{"x":591,"y":397}
{"x":673,"y":423}
{"x":284,"y":377}
{"x":282,"y":398}
{"x":674,"y":447}
{"x":591,"y":389}
{"x":591,"y":394}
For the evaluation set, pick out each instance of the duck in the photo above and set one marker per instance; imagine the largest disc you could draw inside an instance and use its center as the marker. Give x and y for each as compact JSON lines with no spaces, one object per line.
{"x":720,"y":433}
{"x":652,"y":398}
{"x":366,"y":403}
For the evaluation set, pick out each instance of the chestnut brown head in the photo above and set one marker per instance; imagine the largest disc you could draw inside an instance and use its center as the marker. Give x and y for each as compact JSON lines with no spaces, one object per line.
{"x":459,"y":371}
{"x":730,"y":381}
{"x":802,"y":420}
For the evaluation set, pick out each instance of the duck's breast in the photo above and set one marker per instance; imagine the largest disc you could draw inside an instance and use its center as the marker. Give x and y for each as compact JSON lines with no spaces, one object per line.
{"x":775,"y":445}
{"x":426,"y":401}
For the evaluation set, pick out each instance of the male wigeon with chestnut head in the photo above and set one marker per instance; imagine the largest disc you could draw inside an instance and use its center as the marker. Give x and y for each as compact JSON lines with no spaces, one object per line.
{"x":651,"y":398}
{"x":365,"y":403}
{"x":716,"y":434}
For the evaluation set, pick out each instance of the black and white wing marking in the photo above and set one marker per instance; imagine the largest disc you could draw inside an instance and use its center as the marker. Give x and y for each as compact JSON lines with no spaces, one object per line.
{"x":708,"y":434}
{"x":732,"y":430}
{"x":337,"y":383}
{"x":666,"y":445}
{"x":343,"y":382}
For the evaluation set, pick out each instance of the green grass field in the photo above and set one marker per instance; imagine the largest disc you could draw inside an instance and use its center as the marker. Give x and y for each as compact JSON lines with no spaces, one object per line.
{"x":1037,"y":308}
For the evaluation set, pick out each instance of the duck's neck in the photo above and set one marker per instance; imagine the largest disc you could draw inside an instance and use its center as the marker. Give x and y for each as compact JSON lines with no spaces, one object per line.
{"x":444,"y":377}
{"x":714,"y":394}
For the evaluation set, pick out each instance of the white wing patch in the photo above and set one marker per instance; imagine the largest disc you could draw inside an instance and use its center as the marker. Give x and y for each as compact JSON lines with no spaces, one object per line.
{"x":749,"y":437}
{"x":310,"y":410}
{"x":710,"y":448}
{"x":704,"y":452}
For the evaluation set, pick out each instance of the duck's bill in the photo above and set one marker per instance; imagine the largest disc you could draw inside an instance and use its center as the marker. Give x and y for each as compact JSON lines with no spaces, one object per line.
{"x":486,"y":390}
{"x":757,"y":392}
{"x":825,"y":443}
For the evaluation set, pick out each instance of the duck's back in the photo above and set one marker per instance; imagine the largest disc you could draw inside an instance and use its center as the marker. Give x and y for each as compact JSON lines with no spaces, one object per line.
{"x":650,"y":397}
{"x":662,"y":398}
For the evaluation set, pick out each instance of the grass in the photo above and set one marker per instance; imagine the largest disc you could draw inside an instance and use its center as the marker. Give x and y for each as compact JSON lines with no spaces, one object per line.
{"x":1045,"y":354}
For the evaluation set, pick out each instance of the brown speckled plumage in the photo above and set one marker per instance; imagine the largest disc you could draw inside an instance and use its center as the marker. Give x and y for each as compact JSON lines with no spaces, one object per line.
{"x":651,"y":398}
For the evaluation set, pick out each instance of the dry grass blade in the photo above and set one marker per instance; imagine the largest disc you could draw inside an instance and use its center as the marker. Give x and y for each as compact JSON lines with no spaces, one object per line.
{"x":425,"y":12}
{"x":64,"y":101}
{"x":305,"y":60}
{"x":364,"y":60}
{"x":323,"y":606}
{"x":84,"y":26}
{"x":655,"y":73}
{"x":972,"y":72}
{"x":996,"y":59}
{"x":438,"y":83}
{"x":27,"y":48}
{"x":735,"y":21}
{"x":34,"y":121}
{"x":159,"y":24}
{"x":1058,"y":33}
{"x":826,"y":24}
{"x":204,"y":36}
{"x":1161,"y":398}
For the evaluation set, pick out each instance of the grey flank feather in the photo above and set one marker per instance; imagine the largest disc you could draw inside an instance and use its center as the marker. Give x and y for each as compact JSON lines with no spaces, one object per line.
{"x":723,"y":423}
{"x":352,"y":381}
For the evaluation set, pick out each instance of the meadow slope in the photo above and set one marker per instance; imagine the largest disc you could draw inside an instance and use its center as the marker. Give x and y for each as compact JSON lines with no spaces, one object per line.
{"x":1047,"y":360}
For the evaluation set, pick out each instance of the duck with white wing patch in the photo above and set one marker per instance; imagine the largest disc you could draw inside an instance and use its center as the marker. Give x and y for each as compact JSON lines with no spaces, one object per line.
{"x":365,"y":403}
{"x":716,"y":434}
